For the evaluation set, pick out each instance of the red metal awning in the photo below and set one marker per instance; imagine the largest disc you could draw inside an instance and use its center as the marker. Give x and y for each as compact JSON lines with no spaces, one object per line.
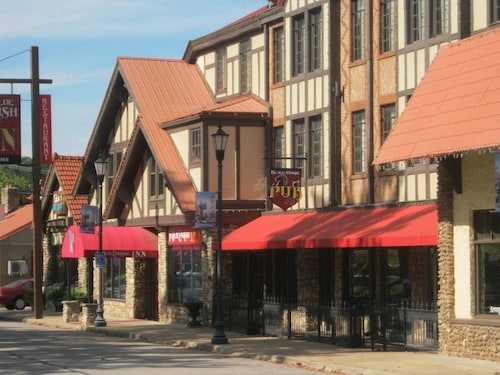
{"x":456,"y":106}
{"x":363,"y":227}
{"x":134,"y":242}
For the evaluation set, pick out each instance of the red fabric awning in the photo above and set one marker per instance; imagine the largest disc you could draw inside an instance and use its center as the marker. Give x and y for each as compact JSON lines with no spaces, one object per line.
{"x":370,"y":227}
{"x":134,"y":242}
{"x":455,"y":108}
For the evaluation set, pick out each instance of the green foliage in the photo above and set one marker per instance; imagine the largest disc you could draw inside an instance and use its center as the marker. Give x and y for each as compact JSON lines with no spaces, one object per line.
{"x":20,"y":176}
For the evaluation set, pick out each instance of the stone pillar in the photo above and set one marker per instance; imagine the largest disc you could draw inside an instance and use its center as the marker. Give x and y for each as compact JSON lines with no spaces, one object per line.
{"x":88,"y":314}
{"x":71,"y":311}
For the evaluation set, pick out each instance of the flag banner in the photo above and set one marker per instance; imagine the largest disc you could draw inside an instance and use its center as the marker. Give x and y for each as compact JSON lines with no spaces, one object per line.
{"x":45,"y":129}
{"x":89,"y":219}
{"x":10,"y":129}
{"x":206,"y":208}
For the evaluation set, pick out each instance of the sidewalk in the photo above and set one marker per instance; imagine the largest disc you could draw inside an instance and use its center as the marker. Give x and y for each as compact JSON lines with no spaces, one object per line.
{"x":322,"y":357}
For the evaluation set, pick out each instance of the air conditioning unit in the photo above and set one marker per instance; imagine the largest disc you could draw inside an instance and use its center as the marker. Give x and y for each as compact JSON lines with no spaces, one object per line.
{"x":17,"y":267}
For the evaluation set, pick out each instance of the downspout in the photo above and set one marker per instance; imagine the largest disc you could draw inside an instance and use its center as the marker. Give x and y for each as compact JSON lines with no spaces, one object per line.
{"x":268,"y":131}
{"x":336,"y":96}
{"x":369,"y":103}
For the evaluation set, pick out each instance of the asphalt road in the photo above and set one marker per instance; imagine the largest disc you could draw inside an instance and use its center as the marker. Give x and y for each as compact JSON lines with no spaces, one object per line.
{"x":28,"y":349}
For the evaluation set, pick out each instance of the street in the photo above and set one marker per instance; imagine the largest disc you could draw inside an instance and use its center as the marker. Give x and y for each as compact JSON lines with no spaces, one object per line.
{"x":30,"y":349}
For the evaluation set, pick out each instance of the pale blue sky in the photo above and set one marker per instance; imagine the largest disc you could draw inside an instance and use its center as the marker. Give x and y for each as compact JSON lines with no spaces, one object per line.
{"x":79,"y":42}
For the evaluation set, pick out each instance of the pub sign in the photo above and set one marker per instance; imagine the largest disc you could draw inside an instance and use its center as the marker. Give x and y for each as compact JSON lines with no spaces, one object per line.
{"x":285,"y":189}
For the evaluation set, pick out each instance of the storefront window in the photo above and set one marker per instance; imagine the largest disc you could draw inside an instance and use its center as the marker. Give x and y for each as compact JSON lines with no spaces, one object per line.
{"x":185,"y":275}
{"x":115,"y":278}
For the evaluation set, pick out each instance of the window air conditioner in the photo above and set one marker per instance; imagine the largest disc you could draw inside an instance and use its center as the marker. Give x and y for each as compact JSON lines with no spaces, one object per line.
{"x":17,"y":267}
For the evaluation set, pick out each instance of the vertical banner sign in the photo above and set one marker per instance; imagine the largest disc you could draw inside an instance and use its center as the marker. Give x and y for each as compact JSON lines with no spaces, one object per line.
{"x":497,"y":181}
{"x":88,"y":221}
{"x":10,"y":129}
{"x":206,"y":208}
{"x":285,"y":190}
{"x":45,"y":130}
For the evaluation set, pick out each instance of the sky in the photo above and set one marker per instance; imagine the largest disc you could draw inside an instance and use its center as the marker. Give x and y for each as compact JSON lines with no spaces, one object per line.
{"x":78,"y":44}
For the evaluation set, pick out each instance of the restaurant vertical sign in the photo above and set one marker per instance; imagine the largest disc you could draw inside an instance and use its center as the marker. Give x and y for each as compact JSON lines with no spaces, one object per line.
{"x":10,"y":129}
{"x":45,"y":130}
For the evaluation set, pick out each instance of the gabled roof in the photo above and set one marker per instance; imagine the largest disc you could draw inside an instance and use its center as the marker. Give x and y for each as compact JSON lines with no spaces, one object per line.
{"x":64,"y":172}
{"x":455,"y":108}
{"x":16,"y":221}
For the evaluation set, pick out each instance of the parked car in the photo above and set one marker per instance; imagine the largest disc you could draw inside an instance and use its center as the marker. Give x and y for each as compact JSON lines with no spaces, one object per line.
{"x":15,"y":294}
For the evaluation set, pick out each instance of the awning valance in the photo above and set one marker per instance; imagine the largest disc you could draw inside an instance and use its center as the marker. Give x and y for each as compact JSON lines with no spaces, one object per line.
{"x":456,"y":106}
{"x":349,"y":228}
{"x":134,"y":242}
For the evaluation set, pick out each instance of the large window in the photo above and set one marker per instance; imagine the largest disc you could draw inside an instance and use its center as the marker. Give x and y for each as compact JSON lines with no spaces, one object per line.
{"x":307,"y":41}
{"x":245,"y":66}
{"x":298,"y":43}
{"x":195,"y":150}
{"x":416,"y":20}
{"x":184,"y":269}
{"x":494,"y":11}
{"x":388,"y":118}
{"x":359,"y":142}
{"x":440,"y":17}
{"x":220,"y":70}
{"x":299,"y":146}
{"x":316,"y":147}
{"x":114,"y":159}
{"x":115,"y":275}
{"x":315,"y":40}
{"x":388,"y":26}
{"x":279,"y":147}
{"x":156,"y":185}
{"x":358,"y":29}
{"x":487,"y":236}
{"x":278,"y":53}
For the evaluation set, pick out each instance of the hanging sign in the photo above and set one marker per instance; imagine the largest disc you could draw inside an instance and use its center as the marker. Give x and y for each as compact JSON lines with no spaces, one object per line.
{"x":10,"y":129}
{"x":206,"y":208}
{"x":45,"y":130}
{"x":285,"y":190}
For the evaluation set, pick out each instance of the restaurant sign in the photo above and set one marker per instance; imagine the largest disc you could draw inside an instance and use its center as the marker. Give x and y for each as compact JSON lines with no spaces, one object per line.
{"x":10,"y":129}
{"x":285,"y":189}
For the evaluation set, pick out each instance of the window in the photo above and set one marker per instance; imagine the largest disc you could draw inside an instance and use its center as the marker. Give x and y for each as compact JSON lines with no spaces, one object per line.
{"x":184,"y":268}
{"x":494,"y":11}
{"x":113,"y":161}
{"x":115,"y":278}
{"x":298,"y":40}
{"x":156,"y":185}
{"x":388,"y":22}
{"x":315,"y":39}
{"x":220,"y":70}
{"x":440,"y":17}
{"x":299,"y":146}
{"x":316,"y":147}
{"x":358,"y":29}
{"x":195,"y":151}
{"x":279,"y":147}
{"x":416,"y":20}
{"x":278,"y":53}
{"x":388,"y":118}
{"x":245,"y":66}
{"x":487,"y":231}
{"x":358,"y":142}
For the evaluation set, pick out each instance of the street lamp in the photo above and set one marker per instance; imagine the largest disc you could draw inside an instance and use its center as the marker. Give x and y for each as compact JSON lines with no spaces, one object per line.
{"x":219,"y":139}
{"x":100,"y":165}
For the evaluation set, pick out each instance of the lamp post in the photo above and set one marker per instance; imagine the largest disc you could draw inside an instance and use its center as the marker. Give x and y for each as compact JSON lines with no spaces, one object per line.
{"x":100,"y":165}
{"x":219,"y":139}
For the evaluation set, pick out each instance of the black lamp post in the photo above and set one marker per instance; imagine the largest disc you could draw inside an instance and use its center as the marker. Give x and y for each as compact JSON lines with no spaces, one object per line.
{"x":100,"y":165}
{"x":219,"y":139}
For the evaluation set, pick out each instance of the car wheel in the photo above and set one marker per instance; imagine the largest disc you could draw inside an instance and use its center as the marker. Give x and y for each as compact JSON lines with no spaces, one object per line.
{"x":19,"y":303}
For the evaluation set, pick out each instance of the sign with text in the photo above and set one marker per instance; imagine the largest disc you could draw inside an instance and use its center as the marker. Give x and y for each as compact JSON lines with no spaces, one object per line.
{"x":285,"y":190}
{"x":183,"y":236}
{"x":45,"y":130}
{"x":10,"y":129}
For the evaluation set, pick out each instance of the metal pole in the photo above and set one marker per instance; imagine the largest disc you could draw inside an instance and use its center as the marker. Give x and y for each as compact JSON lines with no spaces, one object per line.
{"x":99,"y":320}
{"x":219,"y":336}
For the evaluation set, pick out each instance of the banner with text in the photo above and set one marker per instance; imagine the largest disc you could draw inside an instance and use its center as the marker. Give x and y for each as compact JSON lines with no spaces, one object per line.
{"x":285,"y":190}
{"x":45,"y":129}
{"x":10,"y":129}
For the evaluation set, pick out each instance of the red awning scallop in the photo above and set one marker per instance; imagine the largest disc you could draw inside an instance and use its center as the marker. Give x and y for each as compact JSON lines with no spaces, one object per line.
{"x":134,"y":242}
{"x":349,"y":228}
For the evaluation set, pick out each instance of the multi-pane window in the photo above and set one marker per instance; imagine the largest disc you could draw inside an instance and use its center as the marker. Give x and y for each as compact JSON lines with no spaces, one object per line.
{"x":195,"y":141}
{"x":388,"y":118}
{"x":416,"y":20}
{"x":358,"y":29}
{"x":388,"y":25}
{"x":359,"y":142}
{"x":278,"y":54}
{"x":494,"y":11}
{"x":184,"y":268}
{"x":440,"y":17}
{"x":487,"y":237}
{"x":245,"y":66}
{"x":298,"y":43}
{"x":279,"y":147}
{"x":115,"y":278}
{"x":315,"y":39}
{"x":113,"y":161}
{"x":316,"y":147}
{"x":299,"y":146}
{"x":220,"y":70}
{"x":156,"y":185}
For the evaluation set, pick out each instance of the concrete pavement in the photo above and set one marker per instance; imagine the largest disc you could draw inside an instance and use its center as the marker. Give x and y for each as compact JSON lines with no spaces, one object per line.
{"x":312,"y":355}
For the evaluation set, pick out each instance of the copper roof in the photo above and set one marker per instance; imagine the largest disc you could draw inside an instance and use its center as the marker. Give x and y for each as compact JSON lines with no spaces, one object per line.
{"x":16,"y":221}
{"x":455,"y":108}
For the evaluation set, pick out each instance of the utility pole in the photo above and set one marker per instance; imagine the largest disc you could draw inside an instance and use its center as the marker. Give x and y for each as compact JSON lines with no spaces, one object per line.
{"x":35,"y":82}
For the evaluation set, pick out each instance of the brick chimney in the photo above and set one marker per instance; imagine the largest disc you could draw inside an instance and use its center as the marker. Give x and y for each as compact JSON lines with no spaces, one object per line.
{"x":10,"y":198}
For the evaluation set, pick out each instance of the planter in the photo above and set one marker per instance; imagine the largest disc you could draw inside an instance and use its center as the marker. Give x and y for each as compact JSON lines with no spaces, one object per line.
{"x":193,"y":312}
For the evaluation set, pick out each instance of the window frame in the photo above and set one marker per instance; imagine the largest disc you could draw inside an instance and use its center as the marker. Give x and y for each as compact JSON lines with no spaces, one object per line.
{"x":494,"y":11}
{"x":298,"y":44}
{"x":178,"y":258}
{"x":245,"y":60}
{"x":315,"y":147}
{"x":156,"y":181}
{"x":116,"y":270}
{"x":439,"y":17}
{"x":195,"y":147}
{"x":357,"y":30}
{"x":279,"y":54}
{"x":387,"y":26}
{"x":358,"y":119}
{"x":415,"y":26}
{"x":279,"y":147}
{"x":315,"y":39}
